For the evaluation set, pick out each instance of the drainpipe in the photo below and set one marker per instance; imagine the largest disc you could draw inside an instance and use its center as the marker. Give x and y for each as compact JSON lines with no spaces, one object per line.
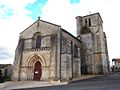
{"x":72,"y":57}
{"x":60,"y":51}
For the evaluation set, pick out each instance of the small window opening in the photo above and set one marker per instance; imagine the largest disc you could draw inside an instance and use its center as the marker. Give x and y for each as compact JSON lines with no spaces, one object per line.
{"x":6,"y":72}
{"x":86,"y":21}
{"x":89,"y":22}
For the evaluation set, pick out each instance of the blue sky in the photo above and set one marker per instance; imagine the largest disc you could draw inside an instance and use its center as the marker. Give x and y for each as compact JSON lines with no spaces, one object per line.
{"x":16,"y":15}
{"x":6,"y":12}
{"x":74,"y":1}
{"x":39,"y":4}
{"x":36,"y":8}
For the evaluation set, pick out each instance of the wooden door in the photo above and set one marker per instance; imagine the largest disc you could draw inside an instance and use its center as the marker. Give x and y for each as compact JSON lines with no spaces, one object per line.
{"x":37,"y":71}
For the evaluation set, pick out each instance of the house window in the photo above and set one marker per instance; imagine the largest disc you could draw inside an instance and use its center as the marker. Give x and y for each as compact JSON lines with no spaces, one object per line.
{"x":38,"y":41}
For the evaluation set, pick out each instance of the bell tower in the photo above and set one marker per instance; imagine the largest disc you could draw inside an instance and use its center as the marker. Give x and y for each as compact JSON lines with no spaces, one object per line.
{"x":94,"y":51}
{"x":91,"y":22}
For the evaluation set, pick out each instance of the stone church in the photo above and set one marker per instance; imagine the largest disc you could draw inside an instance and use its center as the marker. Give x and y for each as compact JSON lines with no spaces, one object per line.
{"x":46,"y":51}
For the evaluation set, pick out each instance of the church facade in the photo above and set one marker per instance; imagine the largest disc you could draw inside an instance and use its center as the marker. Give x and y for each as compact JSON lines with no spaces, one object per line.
{"x":46,"y":51}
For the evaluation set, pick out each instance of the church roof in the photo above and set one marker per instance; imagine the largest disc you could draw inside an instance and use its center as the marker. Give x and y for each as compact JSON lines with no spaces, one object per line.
{"x":42,"y":21}
{"x":70,"y":34}
{"x":54,"y":25}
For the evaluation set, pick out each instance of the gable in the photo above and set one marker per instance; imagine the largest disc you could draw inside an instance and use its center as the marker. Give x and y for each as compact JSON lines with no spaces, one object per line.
{"x":44,"y":27}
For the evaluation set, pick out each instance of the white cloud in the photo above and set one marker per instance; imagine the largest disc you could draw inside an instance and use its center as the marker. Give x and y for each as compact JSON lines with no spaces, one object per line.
{"x":4,"y":53}
{"x":10,"y":29}
{"x":7,"y":61}
{"x":11,"y":26}
{"x":62,"y":12}
{"x":18,"y":6}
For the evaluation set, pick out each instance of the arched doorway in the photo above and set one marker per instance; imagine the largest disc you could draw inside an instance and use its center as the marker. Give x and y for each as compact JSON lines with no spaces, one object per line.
{"x":37,"y":71}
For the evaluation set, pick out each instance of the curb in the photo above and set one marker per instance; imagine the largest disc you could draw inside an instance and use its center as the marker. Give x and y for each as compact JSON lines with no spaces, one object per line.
{"x":87,"y":78}
{"x":28,"y":84}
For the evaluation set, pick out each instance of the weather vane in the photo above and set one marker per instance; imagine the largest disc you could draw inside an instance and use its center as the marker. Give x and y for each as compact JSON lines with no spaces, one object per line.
{"x":38,"y":17}
{"x":89,"y":12}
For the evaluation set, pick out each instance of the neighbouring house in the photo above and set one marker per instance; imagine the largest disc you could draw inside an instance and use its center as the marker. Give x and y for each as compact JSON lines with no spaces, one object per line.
{"x":116,"y":62}
{"x":46,"y":51}
{"x":6,"y":70}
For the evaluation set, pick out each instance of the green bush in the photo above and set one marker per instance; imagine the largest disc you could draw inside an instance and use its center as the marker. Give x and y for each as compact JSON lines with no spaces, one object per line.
{"x":7,"y":78}
{"x":2,"y":80}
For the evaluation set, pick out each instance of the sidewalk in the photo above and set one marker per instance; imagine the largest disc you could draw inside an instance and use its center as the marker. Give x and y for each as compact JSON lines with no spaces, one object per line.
{"x":30,"y":84}
{"x":27,"y":84}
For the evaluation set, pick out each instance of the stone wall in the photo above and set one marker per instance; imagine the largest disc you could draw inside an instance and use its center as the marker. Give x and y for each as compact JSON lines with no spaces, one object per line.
{"x":70,"y":57}
{"x":27,"y":65}
{"x":26,"y":49}
{"x":97,"y":56}
{"x":87,"y":42}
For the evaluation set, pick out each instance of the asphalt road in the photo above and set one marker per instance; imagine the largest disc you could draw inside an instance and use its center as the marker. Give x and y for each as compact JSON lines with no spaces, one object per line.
{"x":108,"y":82}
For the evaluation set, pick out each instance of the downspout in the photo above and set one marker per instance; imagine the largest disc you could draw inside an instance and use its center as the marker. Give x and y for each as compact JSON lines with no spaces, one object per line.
{"x":60,"y":51}
{"x":72,"y":57}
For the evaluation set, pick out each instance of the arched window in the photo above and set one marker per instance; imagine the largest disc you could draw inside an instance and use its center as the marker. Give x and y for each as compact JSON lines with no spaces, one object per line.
{"x":38,"y":41}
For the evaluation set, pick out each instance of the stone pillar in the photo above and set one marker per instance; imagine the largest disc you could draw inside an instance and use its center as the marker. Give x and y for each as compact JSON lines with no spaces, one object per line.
{"x":53,"y":58}
{"x":17,"y":60}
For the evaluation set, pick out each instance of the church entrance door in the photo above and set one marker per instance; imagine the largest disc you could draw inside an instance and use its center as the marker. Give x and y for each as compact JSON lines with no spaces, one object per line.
{"x":37,"y":71}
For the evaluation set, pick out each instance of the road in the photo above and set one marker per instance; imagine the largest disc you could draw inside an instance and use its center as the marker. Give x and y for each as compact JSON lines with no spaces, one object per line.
{"x":108,"y":82}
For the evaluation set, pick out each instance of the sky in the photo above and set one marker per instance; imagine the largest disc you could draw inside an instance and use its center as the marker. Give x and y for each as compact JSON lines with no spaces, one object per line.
{"x":17,"y":15}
